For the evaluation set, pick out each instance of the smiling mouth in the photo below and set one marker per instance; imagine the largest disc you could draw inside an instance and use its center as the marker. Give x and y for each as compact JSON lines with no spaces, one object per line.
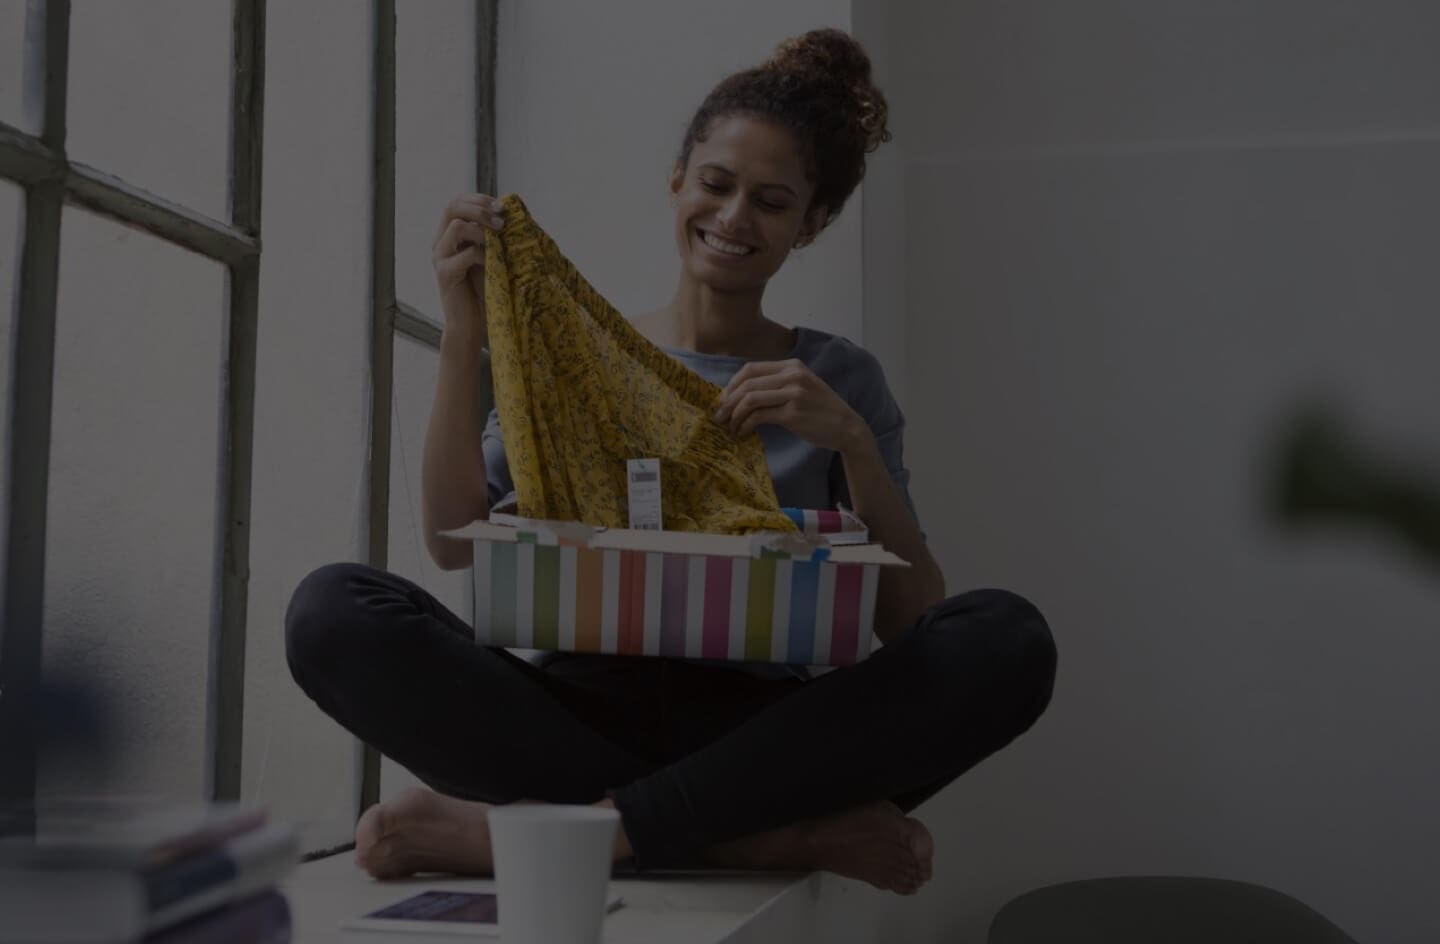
{"x":724,"y":246}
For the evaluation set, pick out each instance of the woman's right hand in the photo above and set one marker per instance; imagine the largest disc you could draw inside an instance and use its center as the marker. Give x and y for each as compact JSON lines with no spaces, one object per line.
{"x":458,"y":256}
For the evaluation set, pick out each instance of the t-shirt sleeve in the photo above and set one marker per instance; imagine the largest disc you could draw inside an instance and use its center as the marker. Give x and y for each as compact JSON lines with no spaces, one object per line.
{"x":869,"y":394}
{"x":497,"y":469}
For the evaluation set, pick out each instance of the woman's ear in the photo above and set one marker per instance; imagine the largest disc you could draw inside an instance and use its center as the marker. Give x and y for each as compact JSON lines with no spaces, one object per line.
{"x":677,"y":180}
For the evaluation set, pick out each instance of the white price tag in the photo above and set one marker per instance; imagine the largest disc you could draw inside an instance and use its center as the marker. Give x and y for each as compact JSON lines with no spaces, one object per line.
{"x":644,"y":476}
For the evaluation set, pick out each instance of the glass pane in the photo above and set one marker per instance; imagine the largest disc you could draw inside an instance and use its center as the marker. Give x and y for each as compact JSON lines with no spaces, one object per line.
{"x":12,"y":235}
{"x":150,"y":95}
{"x":20,"y":24}
{"x":130,"y":566}
{"x":308,"y":498}
{"x":435,"y":131}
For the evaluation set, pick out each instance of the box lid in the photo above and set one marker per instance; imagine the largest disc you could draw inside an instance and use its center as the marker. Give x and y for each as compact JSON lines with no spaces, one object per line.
{"x":768,"y":544}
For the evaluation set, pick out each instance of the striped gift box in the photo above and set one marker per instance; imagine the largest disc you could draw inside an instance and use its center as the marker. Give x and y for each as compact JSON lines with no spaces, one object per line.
{"x":541,"y":585}
{"x":840,"y":525}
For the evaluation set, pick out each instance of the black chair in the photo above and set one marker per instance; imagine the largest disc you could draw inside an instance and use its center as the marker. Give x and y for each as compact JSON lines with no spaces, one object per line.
{"x":1160,"y":910}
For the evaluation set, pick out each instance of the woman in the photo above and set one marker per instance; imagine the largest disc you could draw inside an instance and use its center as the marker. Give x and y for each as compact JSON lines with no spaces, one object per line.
{"x":751,"y":767}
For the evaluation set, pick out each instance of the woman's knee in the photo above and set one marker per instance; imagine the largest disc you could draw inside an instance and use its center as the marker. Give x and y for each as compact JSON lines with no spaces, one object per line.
{"x":321,"y":612}
{"x":1012,"y":639}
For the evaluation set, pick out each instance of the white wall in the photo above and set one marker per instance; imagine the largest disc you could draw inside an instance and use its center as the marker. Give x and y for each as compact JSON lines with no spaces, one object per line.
{"x":312,"y":401}
{"x":1137,"y":233}
{"x":593,"y":101}
{"x":881,"y":202}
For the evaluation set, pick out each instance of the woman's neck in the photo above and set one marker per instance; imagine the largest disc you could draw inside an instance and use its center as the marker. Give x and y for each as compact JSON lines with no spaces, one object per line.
{"x":700,"y":319}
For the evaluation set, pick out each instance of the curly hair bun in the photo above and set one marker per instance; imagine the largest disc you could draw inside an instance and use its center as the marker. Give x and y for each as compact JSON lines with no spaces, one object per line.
{"x":831,"y":57}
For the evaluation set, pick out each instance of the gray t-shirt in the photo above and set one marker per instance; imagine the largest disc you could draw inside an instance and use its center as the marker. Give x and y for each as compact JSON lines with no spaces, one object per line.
{"x":805,"y":476}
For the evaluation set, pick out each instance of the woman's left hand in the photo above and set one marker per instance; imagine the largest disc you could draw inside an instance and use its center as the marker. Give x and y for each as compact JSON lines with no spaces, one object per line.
{"x":788,"y":394}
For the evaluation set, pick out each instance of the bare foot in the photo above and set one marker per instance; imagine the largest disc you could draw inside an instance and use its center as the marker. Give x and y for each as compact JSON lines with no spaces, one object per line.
{"x":423,"y":831}
{"x":875,"y":843}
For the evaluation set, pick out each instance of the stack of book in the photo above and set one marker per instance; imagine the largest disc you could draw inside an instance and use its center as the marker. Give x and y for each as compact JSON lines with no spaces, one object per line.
{"x":118,"y":872}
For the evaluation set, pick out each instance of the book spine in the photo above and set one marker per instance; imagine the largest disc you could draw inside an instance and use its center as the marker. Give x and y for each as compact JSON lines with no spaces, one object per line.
{"x":246,"y":865}
{"x":171,"y":883}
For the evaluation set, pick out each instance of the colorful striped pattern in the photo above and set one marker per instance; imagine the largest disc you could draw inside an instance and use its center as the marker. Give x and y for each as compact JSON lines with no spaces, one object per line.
{"x":770,"y":609}
{"x":822,"y":521}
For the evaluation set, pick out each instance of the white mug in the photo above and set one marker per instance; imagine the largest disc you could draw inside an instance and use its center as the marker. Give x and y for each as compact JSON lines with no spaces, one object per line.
{"x":552,"y":871}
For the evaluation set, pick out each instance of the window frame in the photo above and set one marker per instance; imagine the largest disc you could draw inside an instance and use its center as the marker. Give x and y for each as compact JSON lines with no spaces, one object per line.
{"x":51,"y":181}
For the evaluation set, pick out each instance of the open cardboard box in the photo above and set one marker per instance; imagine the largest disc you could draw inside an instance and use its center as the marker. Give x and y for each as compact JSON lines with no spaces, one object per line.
{"x":770,"y":597}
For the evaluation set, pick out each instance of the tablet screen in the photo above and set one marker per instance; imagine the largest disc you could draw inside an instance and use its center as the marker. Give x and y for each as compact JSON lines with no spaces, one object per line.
{"x":471,"y":907}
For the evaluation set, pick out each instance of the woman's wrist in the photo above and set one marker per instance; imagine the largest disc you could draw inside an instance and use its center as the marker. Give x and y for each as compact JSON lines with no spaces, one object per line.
{"x":464,"y":342}
{"x":857,"y":441}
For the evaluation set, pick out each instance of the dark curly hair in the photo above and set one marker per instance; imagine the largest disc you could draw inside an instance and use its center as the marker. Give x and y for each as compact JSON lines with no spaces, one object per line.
{"x":818,"y":87}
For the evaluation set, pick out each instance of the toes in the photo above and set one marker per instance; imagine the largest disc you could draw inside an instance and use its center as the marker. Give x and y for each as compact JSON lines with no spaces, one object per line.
{"x":915,"y":878}
{"x":371,"y":861}
{"x":922,"y":847}
{"x":902,"y":874}
{"x":375,"y":861}
{"x":374,"y":866}
{"x":368,"y":832}
{"x":922,"y":844}
{"x":375,"y":850}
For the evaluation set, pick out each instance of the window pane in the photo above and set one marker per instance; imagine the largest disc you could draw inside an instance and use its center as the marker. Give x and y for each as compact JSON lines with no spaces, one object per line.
{"x":150,"y":95}
{"x":18,"y":17}
{"x":12,"y":221}
{"x":130,"y":566}
{"x":416,"y":369}
{"x":308,"y":497}
{"x":435,"y":131}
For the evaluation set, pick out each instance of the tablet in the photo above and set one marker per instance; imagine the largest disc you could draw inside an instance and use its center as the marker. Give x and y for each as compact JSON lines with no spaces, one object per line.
{"x":437,"y":912}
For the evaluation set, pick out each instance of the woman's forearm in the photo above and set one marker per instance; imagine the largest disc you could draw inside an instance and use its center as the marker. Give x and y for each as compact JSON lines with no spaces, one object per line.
{"x":904,"y":592}
{"x":453,"y":480}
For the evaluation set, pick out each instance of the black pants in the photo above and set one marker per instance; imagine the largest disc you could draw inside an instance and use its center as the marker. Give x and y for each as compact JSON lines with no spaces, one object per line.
{"x":691,"y":754}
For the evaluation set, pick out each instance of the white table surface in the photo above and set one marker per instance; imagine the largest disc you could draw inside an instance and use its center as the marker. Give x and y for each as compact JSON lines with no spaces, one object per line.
{"x":679,"y":908}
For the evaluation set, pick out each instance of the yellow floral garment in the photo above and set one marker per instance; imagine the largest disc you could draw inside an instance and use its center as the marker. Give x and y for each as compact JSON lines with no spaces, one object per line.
{"x":580,"y":391}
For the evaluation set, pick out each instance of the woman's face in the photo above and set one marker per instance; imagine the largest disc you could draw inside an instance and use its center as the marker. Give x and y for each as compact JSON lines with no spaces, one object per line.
{"x":740,"y":204}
